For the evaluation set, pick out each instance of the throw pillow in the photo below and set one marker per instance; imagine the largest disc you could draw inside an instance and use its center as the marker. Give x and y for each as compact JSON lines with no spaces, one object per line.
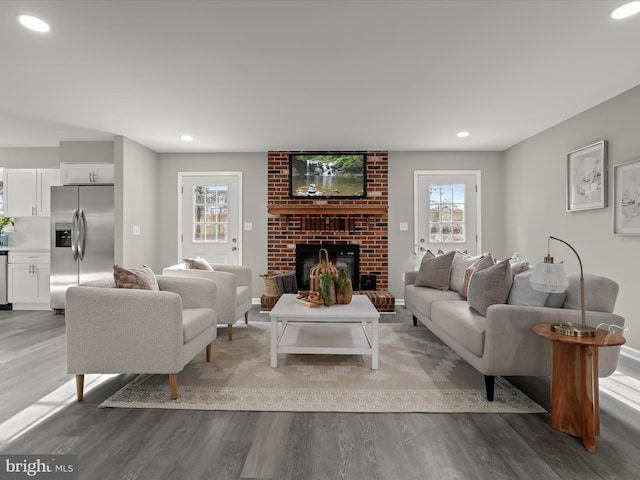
{"x":523,"y":294}
{"x":489,"y":286}
{"x":141,"y":278}
{"x":464,"y":288}
{"x":435,"y":271}
{"x":556,"y":300}
{"x":198,"y":263}
{"x":461,"y":261}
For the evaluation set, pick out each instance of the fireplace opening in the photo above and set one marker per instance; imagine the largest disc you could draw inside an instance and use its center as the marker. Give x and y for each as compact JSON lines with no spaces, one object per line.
{"x":342,"y":256}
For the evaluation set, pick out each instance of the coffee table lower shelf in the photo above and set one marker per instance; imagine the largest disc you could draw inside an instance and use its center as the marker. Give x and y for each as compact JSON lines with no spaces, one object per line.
{"x":347,"y":339}
{"x":321,"y":338}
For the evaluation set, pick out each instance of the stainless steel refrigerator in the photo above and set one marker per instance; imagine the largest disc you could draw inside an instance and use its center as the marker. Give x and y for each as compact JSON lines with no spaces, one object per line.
{"x":81,"y":237}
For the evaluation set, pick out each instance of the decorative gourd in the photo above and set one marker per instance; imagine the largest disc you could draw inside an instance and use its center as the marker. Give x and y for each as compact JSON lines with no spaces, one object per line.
{"x":327,"y":289}
{"x":344,"y":289}
{"x":323,"y":266}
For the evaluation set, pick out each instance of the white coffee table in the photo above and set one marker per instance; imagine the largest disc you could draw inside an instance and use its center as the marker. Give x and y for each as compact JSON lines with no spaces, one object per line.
{"x":336,"y":330}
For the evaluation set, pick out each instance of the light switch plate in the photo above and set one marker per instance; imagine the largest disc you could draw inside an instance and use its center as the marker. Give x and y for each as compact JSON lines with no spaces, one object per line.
{"x":404,"y":226}
{"x":248,"y":226}
{"x":136,"y":229}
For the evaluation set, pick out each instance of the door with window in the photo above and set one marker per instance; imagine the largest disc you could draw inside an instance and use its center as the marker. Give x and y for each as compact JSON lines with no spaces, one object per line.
{"x":210,"y":207}
{"x":447,"y":211}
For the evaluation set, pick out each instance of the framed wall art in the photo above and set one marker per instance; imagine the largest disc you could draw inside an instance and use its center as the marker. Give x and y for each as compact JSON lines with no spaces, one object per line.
{"x":587,"y":177}
{"x":626,"y":198}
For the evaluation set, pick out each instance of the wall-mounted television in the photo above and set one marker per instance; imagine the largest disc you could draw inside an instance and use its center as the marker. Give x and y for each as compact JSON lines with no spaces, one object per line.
{"x":328,"y":175}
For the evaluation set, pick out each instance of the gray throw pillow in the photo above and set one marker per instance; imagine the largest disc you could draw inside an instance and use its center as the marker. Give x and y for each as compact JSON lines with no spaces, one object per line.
{"x":435,"y":271}
{"x":489,"y":286}
{"x":522,"y":293}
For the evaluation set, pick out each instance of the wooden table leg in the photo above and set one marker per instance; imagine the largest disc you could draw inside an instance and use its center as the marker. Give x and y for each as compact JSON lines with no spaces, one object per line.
{"x":574,"y":391}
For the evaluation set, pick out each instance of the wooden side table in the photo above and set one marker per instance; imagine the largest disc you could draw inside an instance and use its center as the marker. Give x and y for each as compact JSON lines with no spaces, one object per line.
{"x":575,"y":407}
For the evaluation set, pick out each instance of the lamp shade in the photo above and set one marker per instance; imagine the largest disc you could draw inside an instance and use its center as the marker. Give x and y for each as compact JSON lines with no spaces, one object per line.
{"x":549,"y":277}
{"x":413,"y":261}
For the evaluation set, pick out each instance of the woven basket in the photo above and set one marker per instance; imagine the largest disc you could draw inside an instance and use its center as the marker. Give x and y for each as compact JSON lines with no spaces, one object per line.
{"x":324,"y":265}
{"x":270,"y":286}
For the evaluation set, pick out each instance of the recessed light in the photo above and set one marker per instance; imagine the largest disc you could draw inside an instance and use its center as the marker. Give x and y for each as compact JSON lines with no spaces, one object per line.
{"x":33,"y":23}
{"x":626,"y":10}
{"x":463,"y":134}
{"x":186,"y":137}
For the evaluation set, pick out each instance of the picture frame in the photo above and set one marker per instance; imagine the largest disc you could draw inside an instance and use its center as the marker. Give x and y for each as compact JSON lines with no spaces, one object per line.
{"x":587,"y":177}
{"x":626,"y":198}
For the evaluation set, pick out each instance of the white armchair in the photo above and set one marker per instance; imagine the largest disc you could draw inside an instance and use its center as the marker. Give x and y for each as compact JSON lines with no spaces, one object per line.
{"x":234,"y":290}
{"x":119,"y":330}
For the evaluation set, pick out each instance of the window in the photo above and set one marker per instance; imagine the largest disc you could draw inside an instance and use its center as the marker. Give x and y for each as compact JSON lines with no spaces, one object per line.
{"x":446,"y":214}
{"x":210,"y":213}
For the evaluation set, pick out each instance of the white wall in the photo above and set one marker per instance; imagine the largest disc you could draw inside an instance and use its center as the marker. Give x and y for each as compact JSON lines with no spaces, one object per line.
{"x":535,"y":193}
{"x":87,"y":152}
{"x":135,"y":204}
{"x":254,"y":176}
{"x":45,"y":157}
{"x":401,"y":168}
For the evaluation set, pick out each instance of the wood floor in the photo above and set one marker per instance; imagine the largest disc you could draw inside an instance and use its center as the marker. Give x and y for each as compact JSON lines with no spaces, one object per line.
{"x":184,"y":445}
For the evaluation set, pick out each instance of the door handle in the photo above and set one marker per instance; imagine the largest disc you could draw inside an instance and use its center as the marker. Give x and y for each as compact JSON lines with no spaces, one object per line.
{"x":233,"y":249}
{"x":82,"y":230}
{"x":74,"y":234}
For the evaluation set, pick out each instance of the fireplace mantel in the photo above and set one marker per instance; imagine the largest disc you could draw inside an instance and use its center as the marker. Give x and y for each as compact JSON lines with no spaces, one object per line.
{"x":327,"y":209}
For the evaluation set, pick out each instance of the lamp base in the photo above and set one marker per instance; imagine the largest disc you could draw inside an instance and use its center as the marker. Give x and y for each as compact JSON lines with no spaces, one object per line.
{"x":570,"y":330}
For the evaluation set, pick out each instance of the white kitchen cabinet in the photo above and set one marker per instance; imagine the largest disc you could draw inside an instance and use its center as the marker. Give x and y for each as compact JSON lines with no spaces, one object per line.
{"x":85,"y":173}
{"x":27,"y":191}
{"x":28,"y":280}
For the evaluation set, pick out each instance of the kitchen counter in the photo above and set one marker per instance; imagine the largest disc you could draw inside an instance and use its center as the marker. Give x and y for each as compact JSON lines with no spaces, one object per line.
{"x":23,"y":249}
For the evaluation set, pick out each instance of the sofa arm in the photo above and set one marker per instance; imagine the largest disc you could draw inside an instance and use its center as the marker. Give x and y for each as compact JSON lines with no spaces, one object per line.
{"x":194,"y":292}
{"x":226,"y":283}
{"x":117,"y":330}
{"x":512,"y":348}
{"x":242,"y":273}
{"x":410,"y":277}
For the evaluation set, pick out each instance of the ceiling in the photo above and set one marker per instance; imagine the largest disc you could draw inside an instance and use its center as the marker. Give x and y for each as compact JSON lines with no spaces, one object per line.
{"x":269,"y":75}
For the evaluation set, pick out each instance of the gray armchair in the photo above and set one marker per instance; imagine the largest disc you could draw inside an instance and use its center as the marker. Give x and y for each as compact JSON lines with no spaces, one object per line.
{"x":234,"y":290}
{"x":118,"y":330}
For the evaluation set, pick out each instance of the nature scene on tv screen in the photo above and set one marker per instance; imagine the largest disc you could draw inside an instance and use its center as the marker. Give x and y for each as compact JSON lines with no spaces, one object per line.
{"x":327,"y":175}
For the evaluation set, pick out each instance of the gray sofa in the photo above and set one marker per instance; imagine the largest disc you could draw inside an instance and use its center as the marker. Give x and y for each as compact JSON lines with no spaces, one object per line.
{"x":502,"y":343}
{"x":234,"y":295}
{"x":121,"y":330}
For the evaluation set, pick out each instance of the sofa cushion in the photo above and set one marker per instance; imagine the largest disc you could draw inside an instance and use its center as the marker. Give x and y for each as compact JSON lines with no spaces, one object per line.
{"x":461,"y":261}
{"x":461,"y":322}
{"x":489,"y":286}
{"x":195,"y":321}
{"x":243,"y":293}
{"x":419,"y":299}
{"x":435,"y":271}
{"x":198,"y":263}
{"x":141,"y":278}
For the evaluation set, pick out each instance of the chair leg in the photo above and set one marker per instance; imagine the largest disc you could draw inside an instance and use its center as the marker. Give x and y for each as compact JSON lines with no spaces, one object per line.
{"x":79,"y":386}
{"x":246,"y":317}
{"x":489,"y":382}
{"x":230,"y":331}
{"x":209,"y":352}
{"x":173,"y":383}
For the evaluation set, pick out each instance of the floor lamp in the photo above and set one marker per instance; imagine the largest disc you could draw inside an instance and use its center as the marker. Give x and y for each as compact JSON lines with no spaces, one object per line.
{"x":551,"y":277}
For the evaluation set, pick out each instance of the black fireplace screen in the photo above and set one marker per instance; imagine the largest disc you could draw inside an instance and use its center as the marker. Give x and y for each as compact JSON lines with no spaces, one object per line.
{"x":343,"y":256}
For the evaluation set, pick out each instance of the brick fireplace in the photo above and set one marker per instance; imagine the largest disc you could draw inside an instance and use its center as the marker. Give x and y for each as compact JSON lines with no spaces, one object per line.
{"x":329,"y":221}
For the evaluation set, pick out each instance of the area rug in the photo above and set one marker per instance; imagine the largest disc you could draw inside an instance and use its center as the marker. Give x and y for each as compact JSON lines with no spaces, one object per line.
{"x":417,"y":373}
